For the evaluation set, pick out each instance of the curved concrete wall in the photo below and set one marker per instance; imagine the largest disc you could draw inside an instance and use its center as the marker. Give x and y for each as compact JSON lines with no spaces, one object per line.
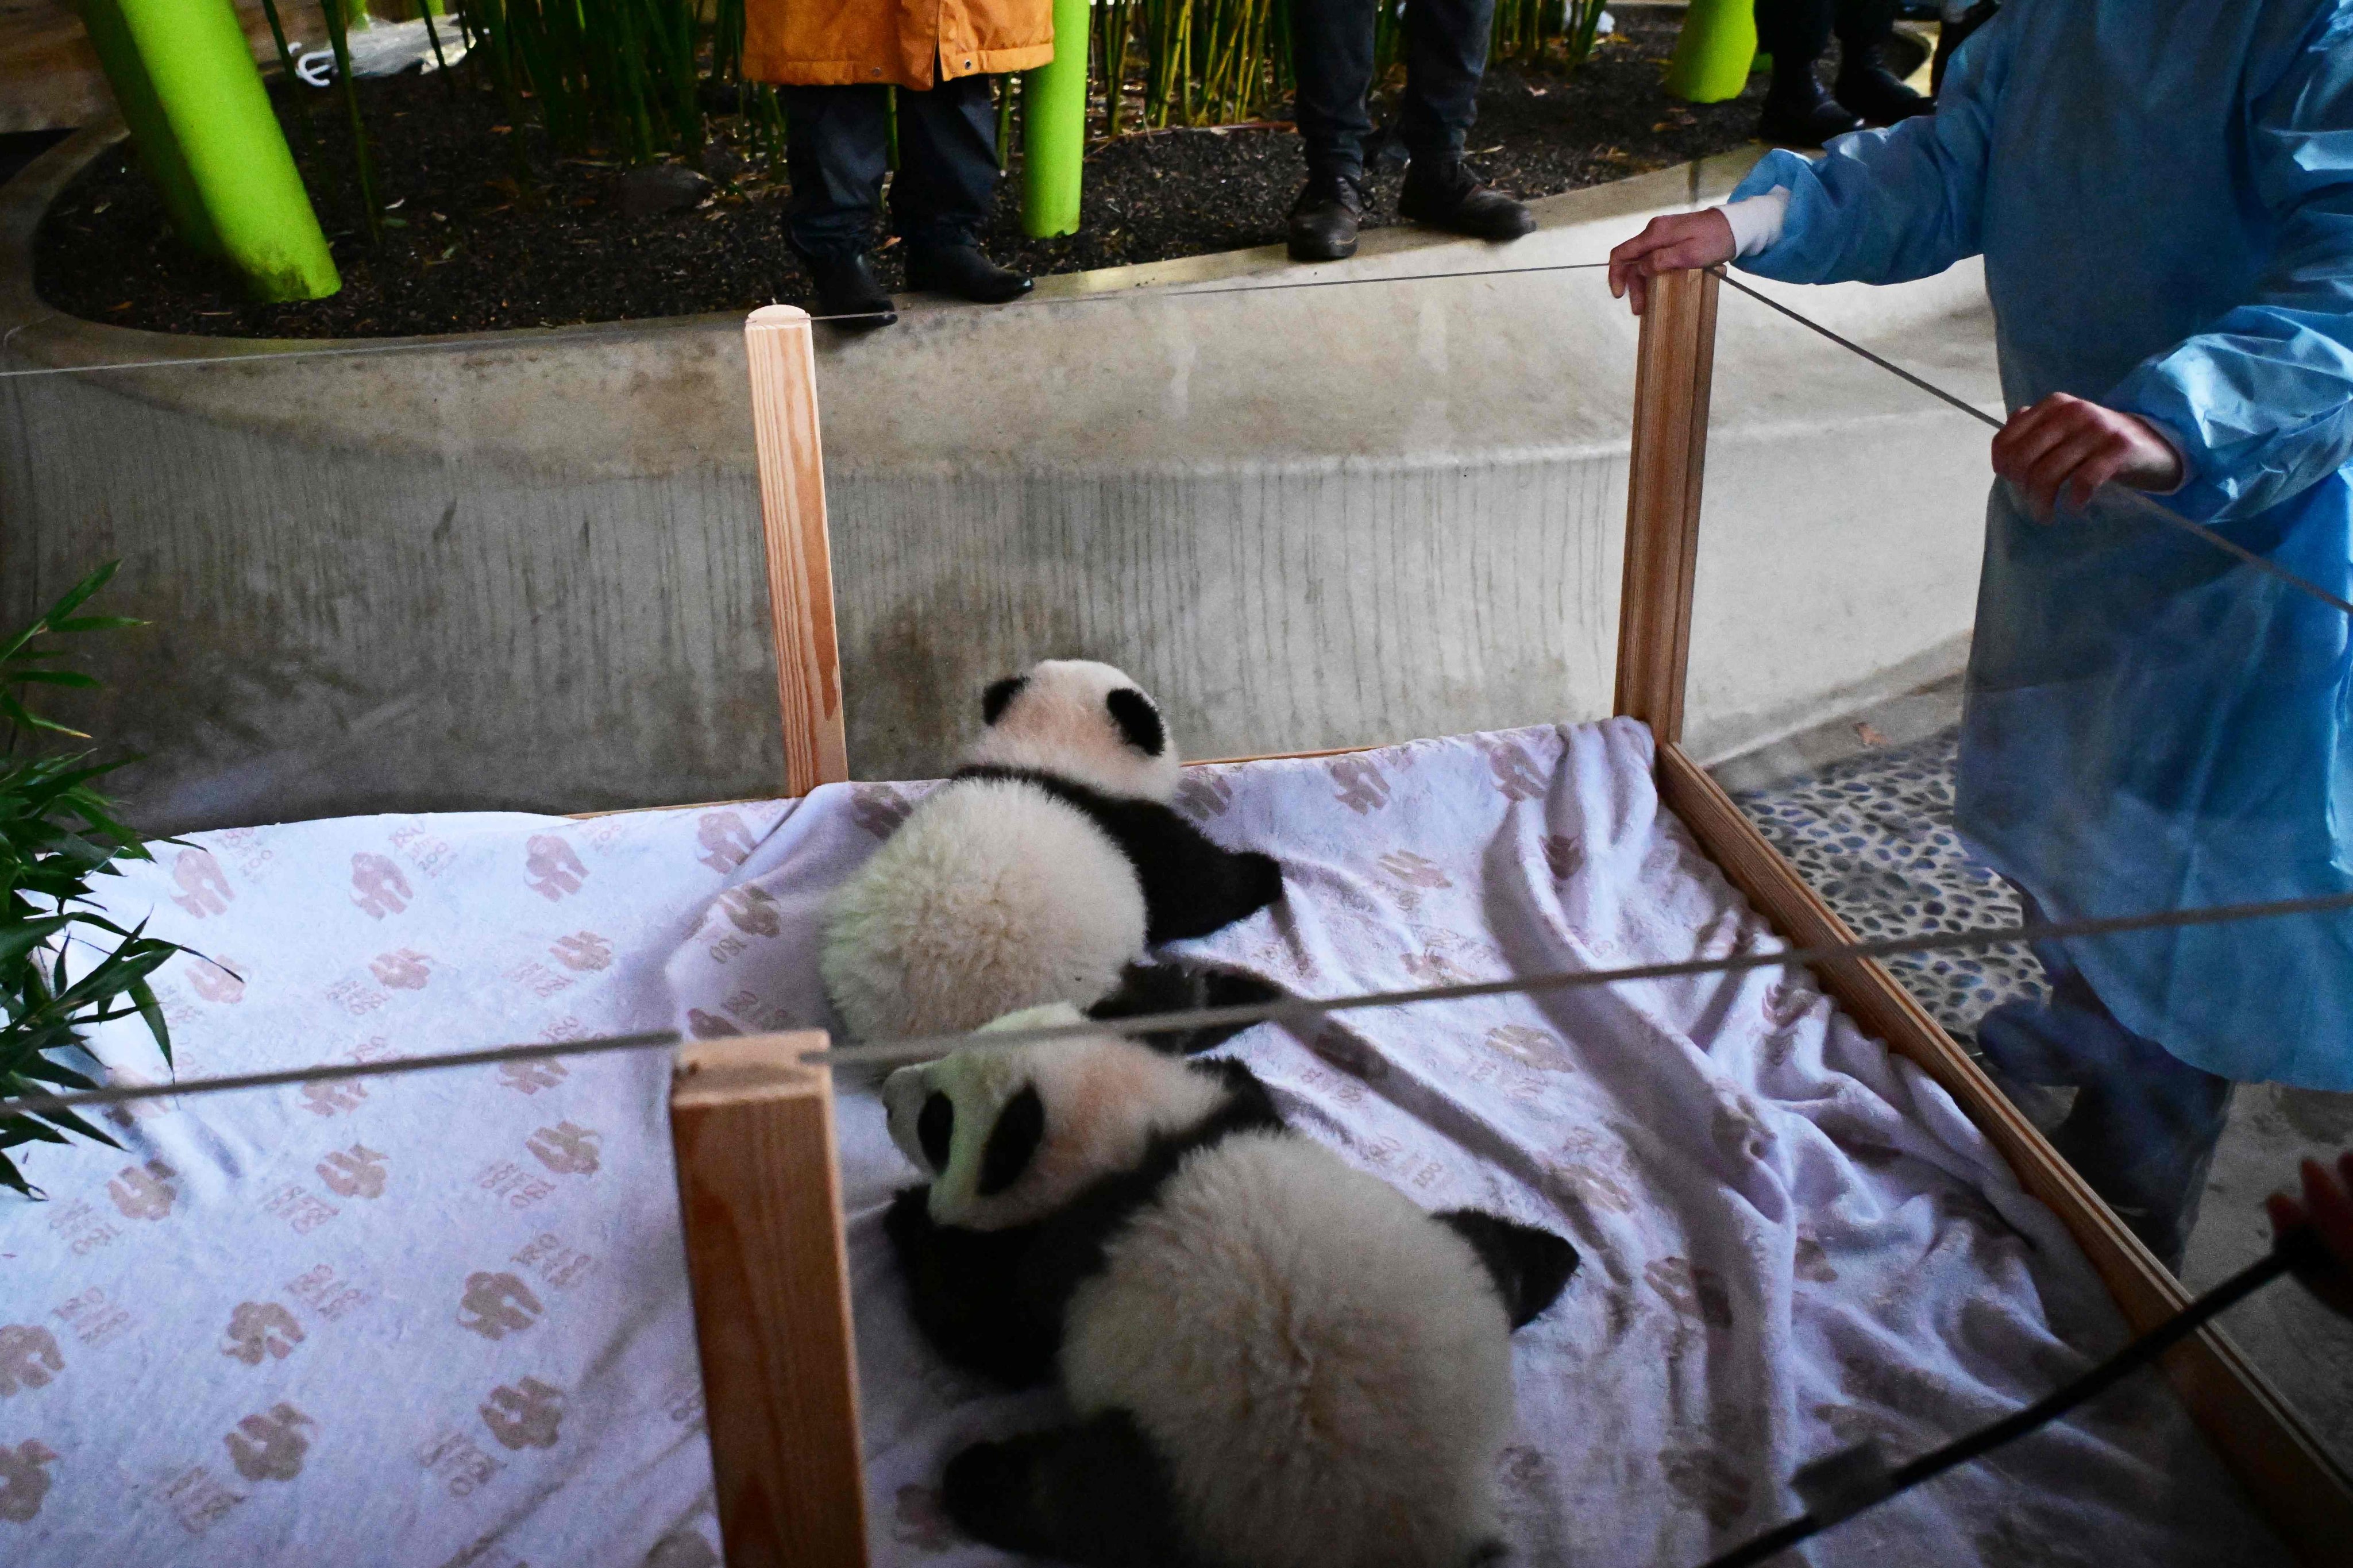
{"x":525,"y":572}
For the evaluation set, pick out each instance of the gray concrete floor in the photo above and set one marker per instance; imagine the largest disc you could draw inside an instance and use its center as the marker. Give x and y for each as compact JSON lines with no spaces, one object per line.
{"x":1865,"y":805}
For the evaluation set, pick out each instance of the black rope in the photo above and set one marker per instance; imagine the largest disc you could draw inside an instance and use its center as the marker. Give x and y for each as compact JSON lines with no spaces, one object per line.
{"x":385,"y":1067}
{"x":2298,"y":1251}
{"x":2132,"y":499}
{"x":1289,"y":1010}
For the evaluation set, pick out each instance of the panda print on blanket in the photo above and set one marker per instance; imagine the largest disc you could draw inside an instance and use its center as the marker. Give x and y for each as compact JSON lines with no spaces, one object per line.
{"x":1272,"y":1360}
{"x":1043,"y":870}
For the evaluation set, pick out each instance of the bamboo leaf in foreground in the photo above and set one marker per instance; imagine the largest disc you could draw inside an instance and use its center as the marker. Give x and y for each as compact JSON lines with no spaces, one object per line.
{"x":64,"y":966}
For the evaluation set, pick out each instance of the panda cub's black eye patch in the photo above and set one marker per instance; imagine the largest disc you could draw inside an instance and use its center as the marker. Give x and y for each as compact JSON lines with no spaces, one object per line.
{"x":1011,"y":1142}
{"x":1137,"y":719}
{"x":935,"y":1129}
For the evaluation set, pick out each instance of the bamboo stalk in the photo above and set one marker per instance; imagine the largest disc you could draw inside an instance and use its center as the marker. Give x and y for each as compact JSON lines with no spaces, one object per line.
{"x":338,"y":39}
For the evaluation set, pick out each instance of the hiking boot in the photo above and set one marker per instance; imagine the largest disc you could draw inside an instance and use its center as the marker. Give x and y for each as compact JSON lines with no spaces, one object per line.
{"x":1444,"y":193}
{"x":1323,"y":219}
{"x":1866,"y":85}
{"x":1804,"y":115}
{"x":962,"y":271}
{"x":846,"y":292}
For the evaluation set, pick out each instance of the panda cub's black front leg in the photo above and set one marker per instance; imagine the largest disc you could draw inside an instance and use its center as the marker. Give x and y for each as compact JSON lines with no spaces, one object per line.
{"x":1097,"y":1493}
{"x":963,"y":1291}
{"x":1146,"y":989}
{"x":1192,"y":884}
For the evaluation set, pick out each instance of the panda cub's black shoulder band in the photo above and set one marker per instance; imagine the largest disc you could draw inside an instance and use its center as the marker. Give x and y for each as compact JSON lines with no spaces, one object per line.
{"x":1070,"y":1244}
{"x":1192,"y":884}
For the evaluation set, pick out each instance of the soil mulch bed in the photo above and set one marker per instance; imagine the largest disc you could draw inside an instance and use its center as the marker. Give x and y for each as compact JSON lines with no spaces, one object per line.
{"x":477,"y":247}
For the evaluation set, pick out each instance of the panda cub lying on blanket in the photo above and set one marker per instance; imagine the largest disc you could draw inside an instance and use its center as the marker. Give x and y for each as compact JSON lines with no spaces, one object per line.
{"x":1040,"y":872}
{"x":1274,"y":1360}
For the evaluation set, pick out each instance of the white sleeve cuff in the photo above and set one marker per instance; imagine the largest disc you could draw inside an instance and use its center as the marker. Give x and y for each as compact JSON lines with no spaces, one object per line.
{"x":2182,"y":456}
{"x":1756,"y":220}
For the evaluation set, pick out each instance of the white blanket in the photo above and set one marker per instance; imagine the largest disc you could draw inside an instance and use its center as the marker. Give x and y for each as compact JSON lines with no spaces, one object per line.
{"x":444,"y":1321}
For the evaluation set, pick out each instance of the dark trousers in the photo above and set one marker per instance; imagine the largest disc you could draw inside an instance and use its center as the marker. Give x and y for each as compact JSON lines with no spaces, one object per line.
{"x":1332,"y":55}
{"x":2145,"y":1123}
{"x":948,"y":165}
{"x":1795,"y":32}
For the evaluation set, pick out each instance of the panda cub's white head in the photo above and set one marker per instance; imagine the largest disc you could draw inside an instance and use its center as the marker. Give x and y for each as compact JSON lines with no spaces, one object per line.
{"x":1083,"y":721}
{"x":1010,"y":1136}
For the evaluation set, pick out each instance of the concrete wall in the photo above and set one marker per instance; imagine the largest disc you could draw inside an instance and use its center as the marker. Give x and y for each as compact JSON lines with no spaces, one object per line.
{"x":525,"y":572}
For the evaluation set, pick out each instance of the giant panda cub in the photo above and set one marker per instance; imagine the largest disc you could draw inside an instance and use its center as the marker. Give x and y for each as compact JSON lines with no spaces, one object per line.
{"x":1041,"y":871}
{"x":1272,"y":1360}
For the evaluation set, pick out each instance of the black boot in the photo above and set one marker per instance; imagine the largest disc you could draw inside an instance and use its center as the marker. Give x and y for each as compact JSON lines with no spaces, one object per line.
{"x":847,"y":291}
{"x":1323,"y":219}
{"x":962,"y":271}
{"x":2148,"y":1152}
{"x":1801,"y":113}
{"x":1444,"y":193}
{"x":1867,"y":87}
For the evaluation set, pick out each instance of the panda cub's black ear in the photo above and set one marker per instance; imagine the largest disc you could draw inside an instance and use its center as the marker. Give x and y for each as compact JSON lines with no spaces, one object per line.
{"x":1137,"y":719}
{"x":999,"y":696}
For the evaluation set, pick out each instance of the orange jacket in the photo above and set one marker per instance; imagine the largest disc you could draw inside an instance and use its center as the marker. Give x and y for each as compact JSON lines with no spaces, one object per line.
{"x":842,"y":43}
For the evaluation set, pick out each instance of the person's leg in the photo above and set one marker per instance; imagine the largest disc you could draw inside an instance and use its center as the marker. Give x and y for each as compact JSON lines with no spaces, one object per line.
{"x":1865,"y":85}
{"x":2145,"y":1138}
{"x":2144,"y":1124}
{"x":836,"y":156}
{"x":1445,"y":55}
{"x":1331,"y":63}
{"x":1798,"y":110}
{"x":1332,"y":60}
{"x":947,"y":187}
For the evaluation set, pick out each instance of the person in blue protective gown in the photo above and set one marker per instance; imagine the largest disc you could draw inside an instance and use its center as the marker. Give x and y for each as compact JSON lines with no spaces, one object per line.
{"x":2162,"y":191}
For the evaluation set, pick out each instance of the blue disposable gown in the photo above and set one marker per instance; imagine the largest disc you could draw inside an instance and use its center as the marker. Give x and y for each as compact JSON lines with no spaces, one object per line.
{"x":2163,"y":194}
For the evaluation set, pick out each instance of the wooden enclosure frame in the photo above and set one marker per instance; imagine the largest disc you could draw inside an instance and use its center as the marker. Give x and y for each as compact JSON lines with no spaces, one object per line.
{"x":758,"y":1183}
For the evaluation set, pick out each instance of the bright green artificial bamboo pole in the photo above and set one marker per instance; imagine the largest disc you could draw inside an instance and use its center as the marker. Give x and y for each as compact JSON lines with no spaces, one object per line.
{"x":1054,"y":128}
{"x":201,"y":120}
{"x":1714,"y":51}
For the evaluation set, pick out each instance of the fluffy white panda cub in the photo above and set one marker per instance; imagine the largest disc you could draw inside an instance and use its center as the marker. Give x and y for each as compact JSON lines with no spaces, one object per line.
{"x":1041,"y":871}
{"x":1274,"y":1360}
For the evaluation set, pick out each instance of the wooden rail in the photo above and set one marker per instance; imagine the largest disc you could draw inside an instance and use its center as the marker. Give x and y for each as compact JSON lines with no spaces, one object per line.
{"x":1674,"y":366}
{"x":800,"y":553}
{"x":760,"y":1190}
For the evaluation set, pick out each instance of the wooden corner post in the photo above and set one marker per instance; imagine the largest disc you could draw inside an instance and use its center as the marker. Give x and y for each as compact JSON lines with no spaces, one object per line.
{"x":1672,"y":370}
{"x":783,"y":362}
{"x":761,"y":1195}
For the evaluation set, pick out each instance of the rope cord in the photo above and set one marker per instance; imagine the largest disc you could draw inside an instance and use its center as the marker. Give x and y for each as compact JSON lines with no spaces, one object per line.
{"x":518,"y":338}
{"x":2132,"y":499}
{"x":1290,"y":1010}
{"x":509,"y":339}
{"x":2298,"y":1251}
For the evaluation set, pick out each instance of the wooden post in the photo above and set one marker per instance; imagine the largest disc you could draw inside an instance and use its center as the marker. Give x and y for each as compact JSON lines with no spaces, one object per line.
{"x":760,"y":1191}
{"x":1672,"y":370}
{"x":800,"y":555}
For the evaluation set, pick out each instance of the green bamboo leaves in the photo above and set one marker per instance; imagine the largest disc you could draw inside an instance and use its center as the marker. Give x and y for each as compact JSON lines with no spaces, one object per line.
{"x":616,"y":74}
{"x":1524,"y":29}
{"x":57,"y":832}
{"x":1218,"y":62}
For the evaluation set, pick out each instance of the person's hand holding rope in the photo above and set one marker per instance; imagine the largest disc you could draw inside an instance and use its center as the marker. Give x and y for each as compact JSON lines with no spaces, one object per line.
{"x":2068,"y":446}
{"x":2063,"y":444}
